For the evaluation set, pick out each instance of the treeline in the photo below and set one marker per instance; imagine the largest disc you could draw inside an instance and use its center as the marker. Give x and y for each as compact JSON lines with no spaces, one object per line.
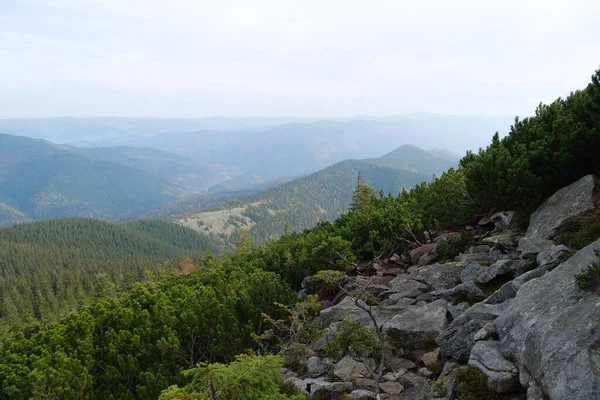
{"x":52,"y":267}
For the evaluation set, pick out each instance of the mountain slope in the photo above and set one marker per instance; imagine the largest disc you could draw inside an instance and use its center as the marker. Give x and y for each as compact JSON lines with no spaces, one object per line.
{"x":323,"y":195}
{"x":39,"y":181}
{"x":191,"y":174}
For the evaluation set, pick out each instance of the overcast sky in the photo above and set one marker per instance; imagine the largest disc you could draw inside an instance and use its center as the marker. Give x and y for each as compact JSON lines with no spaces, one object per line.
{"x":324,"y":58}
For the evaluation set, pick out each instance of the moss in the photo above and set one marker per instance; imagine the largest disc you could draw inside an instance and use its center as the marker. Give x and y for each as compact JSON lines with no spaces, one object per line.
{"x":471,"y":384}
{"x":438,"y":387}
{"x":589,"y":278}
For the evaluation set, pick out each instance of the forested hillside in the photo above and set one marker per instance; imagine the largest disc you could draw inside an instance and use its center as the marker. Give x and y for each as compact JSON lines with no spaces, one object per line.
{"x":51,"y":267}
{"x":39,"y":181}
{"x":322,"y":196}
{"x":137,"y":345}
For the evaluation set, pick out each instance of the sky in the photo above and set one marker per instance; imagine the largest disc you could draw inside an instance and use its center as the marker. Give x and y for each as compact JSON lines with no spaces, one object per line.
{"x":325,"y":58}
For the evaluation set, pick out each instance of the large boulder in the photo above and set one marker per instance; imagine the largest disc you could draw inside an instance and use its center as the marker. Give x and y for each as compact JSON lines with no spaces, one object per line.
{"x":348,"y":309}
{"x":505,"y":269}
{"x":417,"y":326}
{"x":568,"y":203}
{"x":503,"y":375}
{"x":531,"y":247}
{"x":458,"y":294}
{"x":457,"y":340}
{"x":418,"y":252}
{"x":316,"y":366}
{"x":439,"y":276}
{"x":551,"y":329}
{"x":348,"y":369}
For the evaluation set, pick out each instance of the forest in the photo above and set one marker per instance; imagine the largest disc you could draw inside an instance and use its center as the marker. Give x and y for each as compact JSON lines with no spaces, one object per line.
{"x":194,"y":335}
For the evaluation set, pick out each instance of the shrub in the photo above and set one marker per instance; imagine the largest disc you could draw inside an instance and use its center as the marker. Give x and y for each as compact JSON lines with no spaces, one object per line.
{"x":326,"y":283}
{"x":471,"y":384}
{"x":589,"y":278}
{"x":450,"y":248}
{"x":353,"y":339}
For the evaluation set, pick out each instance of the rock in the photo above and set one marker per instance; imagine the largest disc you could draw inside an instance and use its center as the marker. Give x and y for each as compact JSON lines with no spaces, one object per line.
{"x":347,"y":309}
{"x":416,"y":388}
{"x":504,"y":241}
{"x":439,"y":276}
{"x":426,"y":297}
{"x":486,"y":220}
{"x":457,"y":340}
{"x":399,"y":363}
{"x":555,"y":254}
{"x":391,"y":388}
{"x":456,"y":310}
{"x":431,"y":359}
{"x":464,"y":292}
{"x":417,"y":326}
{"x":428,"y":258}
{"x":471,"y":272}
{"x":446,"y":236}
{"x":481,"y":258}
{"x":316,"y":366}
{"x":503,"y":375}
{"x":348,"y":369}
{"x":505,"y":268}
{"x":397,"y":299}
{"x":395,"y":259}
{"x":551,"y":329}
{"x":566,"y":204}
{"x":482,"y":248}
{"x":424,"y":372}
{"x":486,"y":333}
{"x":407,"y":289}
{"x":503,"y":220}
{"x":416,"y":253}
{"x":362,"y":395}
{"x":330,"y":390}
{"x":506,"y":292}
{"x":531,"y":247}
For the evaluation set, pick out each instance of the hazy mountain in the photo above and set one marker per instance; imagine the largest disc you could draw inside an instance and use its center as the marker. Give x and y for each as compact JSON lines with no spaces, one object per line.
{"x":191,"y":174}
{"x":323,"y":195}
{"x":40,"y":181}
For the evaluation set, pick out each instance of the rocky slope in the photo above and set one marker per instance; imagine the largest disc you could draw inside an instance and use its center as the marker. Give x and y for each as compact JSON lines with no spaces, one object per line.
{"x":508,"y":307}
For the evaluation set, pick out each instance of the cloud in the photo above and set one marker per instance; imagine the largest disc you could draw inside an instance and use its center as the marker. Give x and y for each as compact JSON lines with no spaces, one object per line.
{"x":312,"y":57}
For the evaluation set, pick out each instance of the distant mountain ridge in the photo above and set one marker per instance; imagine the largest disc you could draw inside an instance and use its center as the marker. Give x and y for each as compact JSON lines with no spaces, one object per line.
{"x":41,"y":181}
{"x":321,"y":196}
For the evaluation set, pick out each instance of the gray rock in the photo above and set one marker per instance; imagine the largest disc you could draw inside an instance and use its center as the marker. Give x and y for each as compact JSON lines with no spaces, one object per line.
{"x":416,"y":254}
{"x":569,"y":202}
{"x":463,"y":292}
{"x":391,"y":388}
{"x":482,"y":248}
{"x":330,"y":390}
{"x":505,"y":268}
{"x":348,"y":369}
{"x":417,"y":326}
{"x":395,"y":259}
{"x":551,"y":329}
{"x":504,"y":241}
{"x":362,"y":395}
{"x":347,"y":309}
{"x":481,"y":258}
{"x":555,"y":254}
{"x":456,"y":310}
{"x":503,"y":375}
{"x":531,"y":247}
{"x":457,"y":340}
{"x":471,"y":272}
{"x":503,"y":220}
{"x":439,"y":276}
{"x":506,"y":292}
{"x":488,"y":332}
{"x":316,"y":366}
{"x":428,"y":258}
{"x":397,"y":299}
{"x":416,"y":388}
{"x":408,"y":289}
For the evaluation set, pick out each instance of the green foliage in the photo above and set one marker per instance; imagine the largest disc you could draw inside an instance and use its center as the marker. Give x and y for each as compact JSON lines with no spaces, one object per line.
{"x":540,"y":155}
{"x":583,"y":232}
{"x":450,"y":248}
{"x":589,"y":278}
{"x":471,"y":384}
{"x":246,"y":378}
{"x":326,"y":283}
{"x":353,"y":339}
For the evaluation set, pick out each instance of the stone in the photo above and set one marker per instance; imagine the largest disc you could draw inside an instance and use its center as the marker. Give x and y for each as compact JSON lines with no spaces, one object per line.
{"x":316,"y":366}
{"x":555,"y":254}
{"x":431,"y":359}
{"x":486,"y":333}
{"x":395,"y":259}
{"x":504,"y":241}
{"x":506,"y":292}
{"x":347,"y":309}
{"x":482,"y":248}
{"x":481,"y":258}
{"x":463,"y":292}
{"x":505,"y":268}
{"x":503,"y":220}
{"x":457,"y":340}
{"x":486,"y":220}
{"x":416,"y":253}
{"x":428,"y":258}
{"x":439,"y":276}
{"x":407,"y":289}
{"x":330,"y":390}
{"x":397,"y":299}
{"x":446,"y":236}
{"x":456,"y":310}
{"x":391,"y":388}
{"x":551,"y":329}
{"x":425,"y":297}
{"x":399,"y":363}
{"x":348,"y":369}
{"x":424,"y":372}
{"x":471,"y":272}
{"x":415,"y":388}
{"x":566,"y":204}
{"x":417,"y":326}
{"x":503,"y":375}
{"x":531,"y":247}
{"x":362,"y":395}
